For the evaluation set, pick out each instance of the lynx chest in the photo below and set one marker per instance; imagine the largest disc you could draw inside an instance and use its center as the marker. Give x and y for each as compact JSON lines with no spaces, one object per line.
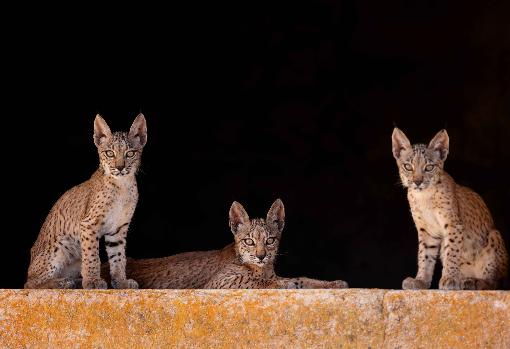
{"x":427,"y":214}
{"x":119,"y":211}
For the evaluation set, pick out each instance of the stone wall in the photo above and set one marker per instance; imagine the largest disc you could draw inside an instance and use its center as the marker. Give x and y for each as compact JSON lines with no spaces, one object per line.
{"x":354,"y":318}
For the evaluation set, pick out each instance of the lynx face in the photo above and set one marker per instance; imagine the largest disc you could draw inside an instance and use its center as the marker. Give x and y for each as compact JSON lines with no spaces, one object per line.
{"x":257,"y":240}
{"x":120,"y":153}
{"x":420,"y":165}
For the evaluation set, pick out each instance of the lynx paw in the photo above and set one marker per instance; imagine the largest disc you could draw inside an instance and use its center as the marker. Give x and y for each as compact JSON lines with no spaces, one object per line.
{"x":477,"y":284}
{"x":414,"y":284}
{"x":66,"y":283}
{"x":95,"y":284}
{"x":469,"y":284}
{"x":338,"y":284}
{"x":449,"y":283}
{"x":128,"y":283}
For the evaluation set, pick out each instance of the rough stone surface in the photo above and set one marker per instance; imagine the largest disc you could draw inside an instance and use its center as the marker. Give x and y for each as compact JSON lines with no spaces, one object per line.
{"x":442,"y":319}
{"x":353,"y":318}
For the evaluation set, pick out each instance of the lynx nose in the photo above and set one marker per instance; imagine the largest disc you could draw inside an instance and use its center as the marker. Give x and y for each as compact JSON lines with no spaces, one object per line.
{"x":418,"y":182}
{"x":261,"y":256}
{"x":120,"y":167}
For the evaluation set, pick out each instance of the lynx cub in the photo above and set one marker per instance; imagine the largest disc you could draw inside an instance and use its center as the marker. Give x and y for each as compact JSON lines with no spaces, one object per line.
{"x":247,"y":263}
{"x":452,"y":221}
{"x":69,"y":238}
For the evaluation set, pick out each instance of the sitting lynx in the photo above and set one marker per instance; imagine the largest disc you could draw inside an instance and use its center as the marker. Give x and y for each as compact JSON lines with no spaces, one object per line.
{"x":247,"y":263}
{"x":452,"y":221}
{"x":68,"y":244}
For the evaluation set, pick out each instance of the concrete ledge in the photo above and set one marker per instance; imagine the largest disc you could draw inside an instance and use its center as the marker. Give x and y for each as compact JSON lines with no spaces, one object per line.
{"x":354,"y":318}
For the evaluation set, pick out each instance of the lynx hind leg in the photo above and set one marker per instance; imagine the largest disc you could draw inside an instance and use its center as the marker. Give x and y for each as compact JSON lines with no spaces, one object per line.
{"x":501,"y":256}
{"x":491,"y":266}
{"x":52,"y":279}
{"x":479,"y":284}
{"x":58,"y":283}
{"x":45,"y":271}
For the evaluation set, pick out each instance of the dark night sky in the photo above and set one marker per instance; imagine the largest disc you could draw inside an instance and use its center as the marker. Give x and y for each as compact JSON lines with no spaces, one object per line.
{"x":253,"y":102}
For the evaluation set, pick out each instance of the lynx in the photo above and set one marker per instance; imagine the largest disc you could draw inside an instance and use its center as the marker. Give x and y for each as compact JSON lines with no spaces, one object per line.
{"x":453,"y":222}
{"x":68,"y":243}
{"x":247,"y":263}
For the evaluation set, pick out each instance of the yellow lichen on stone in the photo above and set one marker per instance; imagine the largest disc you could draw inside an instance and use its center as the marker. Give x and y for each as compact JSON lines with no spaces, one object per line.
{"x":351,"y":318}
{"x":447,"y":319}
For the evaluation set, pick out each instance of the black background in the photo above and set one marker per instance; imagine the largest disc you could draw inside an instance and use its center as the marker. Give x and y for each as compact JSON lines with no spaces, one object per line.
{"x":253,"y":102}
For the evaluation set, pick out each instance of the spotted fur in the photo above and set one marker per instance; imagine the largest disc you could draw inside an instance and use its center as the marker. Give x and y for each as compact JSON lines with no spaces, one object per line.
{"x":243,"y":264}
{"x":453,"y":222}
{"x":67,"y":247}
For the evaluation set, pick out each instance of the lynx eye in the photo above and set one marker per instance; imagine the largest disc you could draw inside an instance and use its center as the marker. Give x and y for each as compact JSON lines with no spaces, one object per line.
{"x":249,"y":242}
{"x":109,"y":153}
{"x":429,"y":168}
{"x":408,"y":167}
{"x":130,"y":153}
{"x":270,"y":241}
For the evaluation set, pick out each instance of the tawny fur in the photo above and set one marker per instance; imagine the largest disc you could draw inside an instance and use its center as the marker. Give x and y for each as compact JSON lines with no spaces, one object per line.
{"x":67,"y":248}
{"x":180,"y":271}
{"x":453,"y":221}
{"x":247,"y":263}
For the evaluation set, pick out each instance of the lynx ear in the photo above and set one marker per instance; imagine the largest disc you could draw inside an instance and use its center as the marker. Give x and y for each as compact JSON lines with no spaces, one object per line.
{"x":237,"y":216}
{"x":102,"y":132}
{"x":399,"y":142}
{"x":138,"y":131}
{"x":441,"y":144}
{"x":276,"y":215}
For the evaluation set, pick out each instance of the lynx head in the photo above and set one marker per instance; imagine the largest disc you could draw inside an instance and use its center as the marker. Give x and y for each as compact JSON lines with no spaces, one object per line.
{"x":257,"y":240}
{"x":419,"y":165}
{"x":120,"y":152}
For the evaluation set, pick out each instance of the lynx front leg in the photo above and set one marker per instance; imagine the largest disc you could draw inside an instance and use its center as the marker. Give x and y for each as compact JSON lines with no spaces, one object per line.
{"x":116,"y":250}
{"x":306,"y":283}
{"x":312,"y":283}
{"x":90,"y":262}
{"x":428,"y":250}
{"x":451,"y":257}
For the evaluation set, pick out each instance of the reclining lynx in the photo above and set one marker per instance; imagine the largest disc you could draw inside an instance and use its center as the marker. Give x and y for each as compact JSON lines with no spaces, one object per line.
{"x":452,"y":221}
{"x":68,"y":243}
{"x":247,"y":263}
